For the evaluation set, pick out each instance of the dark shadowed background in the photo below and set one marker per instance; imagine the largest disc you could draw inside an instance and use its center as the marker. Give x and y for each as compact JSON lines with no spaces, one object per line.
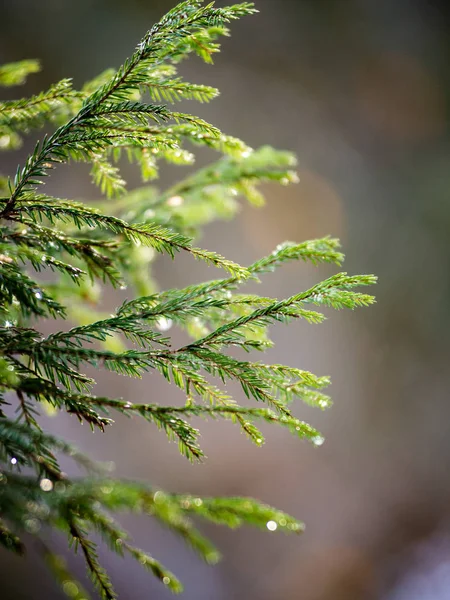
{"x":359,"y":90}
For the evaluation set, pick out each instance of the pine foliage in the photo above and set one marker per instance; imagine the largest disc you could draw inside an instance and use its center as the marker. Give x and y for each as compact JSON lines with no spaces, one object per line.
{"x":130,"y":113}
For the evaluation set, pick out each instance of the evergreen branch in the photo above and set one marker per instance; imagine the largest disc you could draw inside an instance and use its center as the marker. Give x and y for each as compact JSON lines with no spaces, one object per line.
{"x":178,"y":23}
{"x":16,"y":73}
{"x":117,"y":541}
{"x":21,"y":441}
{"x":159,"y":238}
{"x":33,"y":300}
{"x":233,"y":512}
{"x":35,"y":111}
{"x":10,"y":541}
{"x":89,"y":549}
{"x":63,"y":576}
{"x":336,"y":291}
{"x":106,"y":121}
{"x":93,"y":253}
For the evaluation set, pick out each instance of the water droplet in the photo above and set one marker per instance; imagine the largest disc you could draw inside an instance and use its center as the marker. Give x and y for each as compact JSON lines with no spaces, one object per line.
{"x":128,"y":405}
{"x":14,"y":461}
{"x":246,"y":153}
{"x":46,"y":485}
{"x":8,"y":324}
{"x":70,"y":589}
{"x":24,"y":231}
{"x":4,"y":141}
{"x":283,"y":522}
{"x":123,"y":287}
{"x":166,"y":580}
{"x":164,"y":324}
{"x":149,"y":214}
{"x":119,"y":542}
{"x":198,"y":502}
{"x":296,"y":527}
{"x":10,"y":368}
{"x":175,"y":201}
{"x":158,"y":497}
{"x":259,"y":441}
{"x":229,"y":295}
{"x":271,"y":525}
{"x":32,"y":525}
{"x":233,"y":191}
{"x":60,"y":487}
{"x":318,"y":440}
{"x":106,"y":489}
{"x":38,"y":295}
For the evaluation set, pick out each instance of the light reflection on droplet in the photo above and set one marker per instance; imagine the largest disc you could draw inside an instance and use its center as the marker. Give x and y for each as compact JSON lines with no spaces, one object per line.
{"x":158,"y":497}
{"x":46,"y":485}
{"x":198,"y":502}
{"x":4,"y":141}
{"x":14,"y":461}
{"x":175,"y":201}
{"x":38,"y":295}
{"x":164,"y":324}
{"x":318,"y":440}
{"x":271,"y":525}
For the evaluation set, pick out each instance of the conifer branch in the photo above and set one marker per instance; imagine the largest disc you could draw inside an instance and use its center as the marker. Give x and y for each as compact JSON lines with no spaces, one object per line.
{"x":86,"y":248}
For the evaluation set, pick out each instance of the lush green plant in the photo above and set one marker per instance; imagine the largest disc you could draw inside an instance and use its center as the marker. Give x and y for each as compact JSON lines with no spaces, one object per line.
{"x":114,"y":243}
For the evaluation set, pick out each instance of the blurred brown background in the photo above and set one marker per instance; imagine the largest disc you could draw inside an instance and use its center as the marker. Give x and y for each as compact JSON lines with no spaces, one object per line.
{"x":359,"y":89}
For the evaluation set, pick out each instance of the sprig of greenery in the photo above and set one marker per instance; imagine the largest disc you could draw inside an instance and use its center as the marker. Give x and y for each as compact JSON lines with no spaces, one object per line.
{"x":115,"y":242}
